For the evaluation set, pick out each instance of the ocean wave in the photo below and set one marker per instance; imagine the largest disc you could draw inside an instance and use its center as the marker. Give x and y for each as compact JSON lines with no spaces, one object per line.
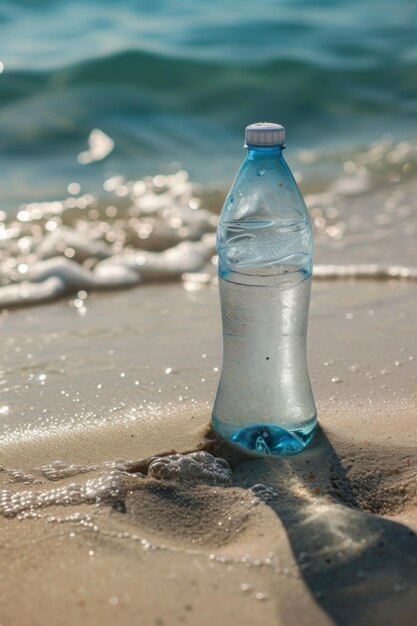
{"x":171,"y":81}
{"x":162,"y":228}
{"x":57,"y":248}
{"x":175,"y":74}
{"x":136,"y":84}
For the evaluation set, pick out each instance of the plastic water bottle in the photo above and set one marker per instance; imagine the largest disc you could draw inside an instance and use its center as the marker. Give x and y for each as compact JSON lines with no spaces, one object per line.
{"x":264,"y":401}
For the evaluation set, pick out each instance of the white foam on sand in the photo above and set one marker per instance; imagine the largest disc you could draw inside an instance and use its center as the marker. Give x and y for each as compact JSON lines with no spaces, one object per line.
{"x":111,"y":483}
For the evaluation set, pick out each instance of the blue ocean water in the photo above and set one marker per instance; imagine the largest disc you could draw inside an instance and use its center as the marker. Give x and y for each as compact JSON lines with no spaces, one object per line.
{"x":173,"y":80}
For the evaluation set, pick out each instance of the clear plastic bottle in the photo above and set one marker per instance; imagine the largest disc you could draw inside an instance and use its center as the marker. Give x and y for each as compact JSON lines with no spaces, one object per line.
{"x":264,"y":401}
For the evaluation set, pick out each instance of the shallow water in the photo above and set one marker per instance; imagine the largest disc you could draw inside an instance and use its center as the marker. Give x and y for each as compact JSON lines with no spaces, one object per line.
{"x":162,"y":228}
{"x":99,"y":105}
{"x":178,"y":81}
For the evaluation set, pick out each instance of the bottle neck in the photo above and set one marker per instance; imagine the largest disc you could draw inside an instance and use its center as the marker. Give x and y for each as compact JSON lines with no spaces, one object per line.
{"x":260,"y":152}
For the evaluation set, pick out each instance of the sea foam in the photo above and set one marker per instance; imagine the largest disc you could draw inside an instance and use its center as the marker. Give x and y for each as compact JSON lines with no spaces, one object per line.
{"x":163,"y":228}
{"x":110,"y":484}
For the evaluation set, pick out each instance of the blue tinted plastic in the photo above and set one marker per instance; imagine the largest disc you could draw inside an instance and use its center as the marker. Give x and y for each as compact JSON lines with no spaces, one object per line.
{"x":264,"y":401}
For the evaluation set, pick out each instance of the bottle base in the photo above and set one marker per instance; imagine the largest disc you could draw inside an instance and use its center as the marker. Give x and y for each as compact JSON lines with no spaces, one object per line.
{"x":269,"y":439}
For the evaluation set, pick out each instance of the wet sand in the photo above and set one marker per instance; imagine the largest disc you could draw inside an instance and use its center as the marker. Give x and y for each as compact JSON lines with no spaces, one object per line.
{"x":327,"y":537}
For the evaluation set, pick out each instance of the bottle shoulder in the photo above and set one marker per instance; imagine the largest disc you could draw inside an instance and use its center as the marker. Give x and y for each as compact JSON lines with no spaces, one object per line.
{"x":264,"y":223}
{"x":265,"y":188}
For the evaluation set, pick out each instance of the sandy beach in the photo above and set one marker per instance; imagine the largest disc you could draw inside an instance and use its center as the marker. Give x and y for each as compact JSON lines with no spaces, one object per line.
{"x":326,"y":537}
{"x":122,"y":128}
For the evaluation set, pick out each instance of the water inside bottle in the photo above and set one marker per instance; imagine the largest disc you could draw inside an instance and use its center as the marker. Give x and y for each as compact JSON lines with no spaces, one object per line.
{"x":264,"y":401}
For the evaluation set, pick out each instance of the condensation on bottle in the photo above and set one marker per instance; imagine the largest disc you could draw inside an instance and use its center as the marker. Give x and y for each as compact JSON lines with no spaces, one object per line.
{"x":264,"y":402}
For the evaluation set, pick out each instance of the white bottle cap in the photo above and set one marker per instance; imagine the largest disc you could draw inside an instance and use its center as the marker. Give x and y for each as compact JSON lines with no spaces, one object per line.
{"x":264,"y":134}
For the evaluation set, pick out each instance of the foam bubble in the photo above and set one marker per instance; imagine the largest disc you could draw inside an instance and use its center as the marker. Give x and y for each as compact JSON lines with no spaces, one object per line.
{"x":373,"y":271}
{"x":58,"y":470}
{"x":99,"y":146}
{"x":18,"y":476}
{"x":106,"y":488}
{"x":111,"y":484}
{"x":160,"y":228}
{"x":154,"y":229}
{"x":195,"y":467}
{"x":263,"y":492}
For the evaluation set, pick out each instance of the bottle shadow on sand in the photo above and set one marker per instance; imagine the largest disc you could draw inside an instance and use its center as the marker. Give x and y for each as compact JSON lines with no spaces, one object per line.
{"x":360,"y":566}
